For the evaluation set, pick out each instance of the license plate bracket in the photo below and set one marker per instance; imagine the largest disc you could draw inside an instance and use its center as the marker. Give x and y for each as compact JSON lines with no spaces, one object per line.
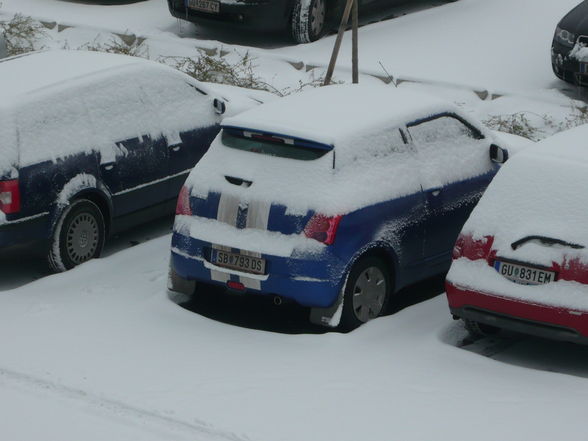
{"x":211,"y":6}
{"x":238,"y":262}
{"x":524,"y":274}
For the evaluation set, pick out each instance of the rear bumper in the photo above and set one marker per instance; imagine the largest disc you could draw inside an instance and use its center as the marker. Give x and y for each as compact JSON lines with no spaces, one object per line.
{"x":528,"y":318}
{"x":24,"y":238}
{"x":260,"y":15}
{"x":313,"y":282}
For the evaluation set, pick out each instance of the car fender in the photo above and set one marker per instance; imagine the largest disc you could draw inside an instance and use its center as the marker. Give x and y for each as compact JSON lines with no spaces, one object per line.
{"x":81,"y":185}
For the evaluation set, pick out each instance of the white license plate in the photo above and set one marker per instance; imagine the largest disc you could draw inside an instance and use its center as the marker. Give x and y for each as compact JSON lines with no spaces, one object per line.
{"x":241,"y":262}
{"x":523,"y":274}
{"x":205,"y":5}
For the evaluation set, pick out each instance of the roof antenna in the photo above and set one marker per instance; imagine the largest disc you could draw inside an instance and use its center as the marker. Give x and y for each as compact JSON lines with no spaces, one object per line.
{"x":387,"y":73}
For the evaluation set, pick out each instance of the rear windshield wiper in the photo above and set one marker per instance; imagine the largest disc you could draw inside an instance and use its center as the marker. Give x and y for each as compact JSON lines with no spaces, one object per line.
{"x":546,"y":241}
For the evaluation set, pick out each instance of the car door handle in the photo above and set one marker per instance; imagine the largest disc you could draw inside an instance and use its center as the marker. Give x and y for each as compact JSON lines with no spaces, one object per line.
{"x":108,"y":166}
{"x":435,"y":191}
{"x":175,"y":147}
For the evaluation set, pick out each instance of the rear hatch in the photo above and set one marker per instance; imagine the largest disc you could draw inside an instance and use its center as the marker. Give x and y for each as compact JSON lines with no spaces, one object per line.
{"x":527,"y":238}
{"x":258,"y":180}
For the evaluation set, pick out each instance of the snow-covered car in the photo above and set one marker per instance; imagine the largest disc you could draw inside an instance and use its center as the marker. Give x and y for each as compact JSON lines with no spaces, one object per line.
{"x":334,"y":198}
{"x":521,"y":261}
{"x":94,"y":143}
{"x":569,"y":54}
{"x":306,"y":20}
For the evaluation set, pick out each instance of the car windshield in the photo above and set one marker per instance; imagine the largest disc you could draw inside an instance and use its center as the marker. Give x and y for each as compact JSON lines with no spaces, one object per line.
{"x":273,"y":145}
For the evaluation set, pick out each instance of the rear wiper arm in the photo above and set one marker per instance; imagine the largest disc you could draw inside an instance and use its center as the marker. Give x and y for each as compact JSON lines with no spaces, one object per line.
{"x":546,"y":241}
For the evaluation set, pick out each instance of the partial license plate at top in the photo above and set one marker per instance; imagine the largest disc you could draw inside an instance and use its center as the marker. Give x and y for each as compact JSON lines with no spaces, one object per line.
{"x":205,"y":5}
{"x":240,"y":262}
{"x":523,"y":274}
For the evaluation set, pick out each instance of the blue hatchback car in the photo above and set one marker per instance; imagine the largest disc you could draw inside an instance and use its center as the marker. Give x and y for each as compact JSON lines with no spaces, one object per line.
{"x":335,"y":198}
{"x":91,"y":144}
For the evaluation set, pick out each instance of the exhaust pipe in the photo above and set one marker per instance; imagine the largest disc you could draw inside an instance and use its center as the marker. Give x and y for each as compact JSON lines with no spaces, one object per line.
{"x":277,"y":300}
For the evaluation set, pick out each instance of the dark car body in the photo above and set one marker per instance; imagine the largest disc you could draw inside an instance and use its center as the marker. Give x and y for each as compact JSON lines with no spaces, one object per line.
{"x":571,"y":35}
{"x":120,"y":132}
{"x":258,"y":15}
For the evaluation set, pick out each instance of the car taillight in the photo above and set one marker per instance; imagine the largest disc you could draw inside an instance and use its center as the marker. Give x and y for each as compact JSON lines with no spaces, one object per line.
{"x":9,"y":197}
{"x":322,"y":228}
{"x":473,"y":249}
{"x":572,"y":269}
{"x":183,"y":205}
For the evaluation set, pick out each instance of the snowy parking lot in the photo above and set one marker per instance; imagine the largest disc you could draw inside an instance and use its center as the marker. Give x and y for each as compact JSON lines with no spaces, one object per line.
{"x":103,"y":353}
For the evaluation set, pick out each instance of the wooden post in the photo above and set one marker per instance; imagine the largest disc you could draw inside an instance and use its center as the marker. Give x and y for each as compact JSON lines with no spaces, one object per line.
{"x":335,"y":53}
{"x":354,"y":48}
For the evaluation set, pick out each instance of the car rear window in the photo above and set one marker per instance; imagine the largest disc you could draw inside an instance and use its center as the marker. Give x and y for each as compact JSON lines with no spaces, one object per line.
{"x":273,"y":145}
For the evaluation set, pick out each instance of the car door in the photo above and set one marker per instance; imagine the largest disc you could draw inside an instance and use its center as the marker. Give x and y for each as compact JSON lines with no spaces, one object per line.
{"x":455,"y":169}
{"x":385,"y":163}
{"x":188,"y":120}
{"x":133,"y":154}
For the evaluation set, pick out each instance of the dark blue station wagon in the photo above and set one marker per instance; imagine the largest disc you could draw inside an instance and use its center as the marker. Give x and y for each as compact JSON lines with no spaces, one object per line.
{"x":91,"y":144}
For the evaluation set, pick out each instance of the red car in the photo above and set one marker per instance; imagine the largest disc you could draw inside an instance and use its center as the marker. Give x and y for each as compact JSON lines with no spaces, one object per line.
{"x":521,"y":260}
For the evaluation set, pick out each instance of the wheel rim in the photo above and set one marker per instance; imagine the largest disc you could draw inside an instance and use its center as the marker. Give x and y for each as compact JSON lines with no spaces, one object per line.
{"x":369,"y":294}
{"x":82,"y":238}
{"x":317,"y":17}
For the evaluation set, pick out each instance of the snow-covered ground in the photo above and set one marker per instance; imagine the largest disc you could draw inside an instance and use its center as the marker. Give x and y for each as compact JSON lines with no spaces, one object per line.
{"x":102,"y":353}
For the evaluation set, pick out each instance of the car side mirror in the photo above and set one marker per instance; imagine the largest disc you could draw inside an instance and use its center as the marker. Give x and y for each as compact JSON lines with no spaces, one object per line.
{"x":219,"y":106}
{"x":498,"y":154}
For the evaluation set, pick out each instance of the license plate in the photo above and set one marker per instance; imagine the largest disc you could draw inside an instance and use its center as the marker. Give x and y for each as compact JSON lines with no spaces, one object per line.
{"x":241,"y":262}
{"x":205,"y":5}
{"x":523,"y":274}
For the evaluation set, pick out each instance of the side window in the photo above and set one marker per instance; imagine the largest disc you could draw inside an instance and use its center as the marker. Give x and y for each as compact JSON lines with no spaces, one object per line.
{"x":52,"y":126}
{"x":119,"y":111}
{"x":180,"y":106}
{"x":449,"y":150}
{"x":443,"y":129}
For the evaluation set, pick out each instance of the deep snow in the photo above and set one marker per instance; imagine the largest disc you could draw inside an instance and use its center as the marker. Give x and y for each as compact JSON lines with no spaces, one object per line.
{"x":102,"y":353}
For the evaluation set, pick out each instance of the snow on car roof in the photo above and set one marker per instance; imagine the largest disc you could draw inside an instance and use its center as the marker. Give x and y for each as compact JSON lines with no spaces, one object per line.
{"x":568,"y":145}
{"x":27,"y":73}
{"x":333,"y":113}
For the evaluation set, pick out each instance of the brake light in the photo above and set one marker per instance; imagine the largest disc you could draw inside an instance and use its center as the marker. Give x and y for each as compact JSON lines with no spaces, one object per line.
{"x":473,"y":249}
{"x":9,"y":197}
{"x":183,"y":205}
{"x":322,"y":228}
{"x":572,"y":269}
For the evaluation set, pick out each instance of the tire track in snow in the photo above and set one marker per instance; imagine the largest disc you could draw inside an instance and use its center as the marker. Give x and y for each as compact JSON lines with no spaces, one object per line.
{"x":105,"y":407}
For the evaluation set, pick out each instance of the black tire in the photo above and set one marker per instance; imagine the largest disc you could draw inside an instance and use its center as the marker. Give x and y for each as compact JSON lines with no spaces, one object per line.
{"x":478,"y":330}
{"x":78,"y":236}
{"x":364,"y":298}
{"x":308,"y":22}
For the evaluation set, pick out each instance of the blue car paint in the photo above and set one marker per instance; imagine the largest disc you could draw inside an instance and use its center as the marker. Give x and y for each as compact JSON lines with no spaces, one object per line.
{"x":147,"y":171}
{"x":315,"y":279}
{"x":415,"y":232}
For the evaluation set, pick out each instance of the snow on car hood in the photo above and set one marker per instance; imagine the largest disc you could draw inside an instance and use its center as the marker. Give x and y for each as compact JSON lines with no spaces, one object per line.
{"x":541,"y":191}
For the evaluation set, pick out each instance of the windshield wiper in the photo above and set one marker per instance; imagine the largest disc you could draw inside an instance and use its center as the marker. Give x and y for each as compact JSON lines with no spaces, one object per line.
{"x":546,"y":241}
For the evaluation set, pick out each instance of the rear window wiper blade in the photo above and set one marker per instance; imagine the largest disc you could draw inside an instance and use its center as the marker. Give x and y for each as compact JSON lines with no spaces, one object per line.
{"x":545,"y":240}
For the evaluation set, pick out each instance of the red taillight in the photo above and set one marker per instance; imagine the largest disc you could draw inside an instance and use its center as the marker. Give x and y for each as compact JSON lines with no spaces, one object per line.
{"x":9,"y":197}
{"x":473,"y":249}
{"x":322,"y":228}
{"x":572,"y":269}
{"x":183,"y":205}
{"x":237,"y":286}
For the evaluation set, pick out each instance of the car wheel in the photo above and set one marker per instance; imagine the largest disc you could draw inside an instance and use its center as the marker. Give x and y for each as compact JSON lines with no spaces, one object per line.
{"x":78,"y":236}
{"x":308,"y":21}
{"x":366,"y":292}
{"x":477,"y":329}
